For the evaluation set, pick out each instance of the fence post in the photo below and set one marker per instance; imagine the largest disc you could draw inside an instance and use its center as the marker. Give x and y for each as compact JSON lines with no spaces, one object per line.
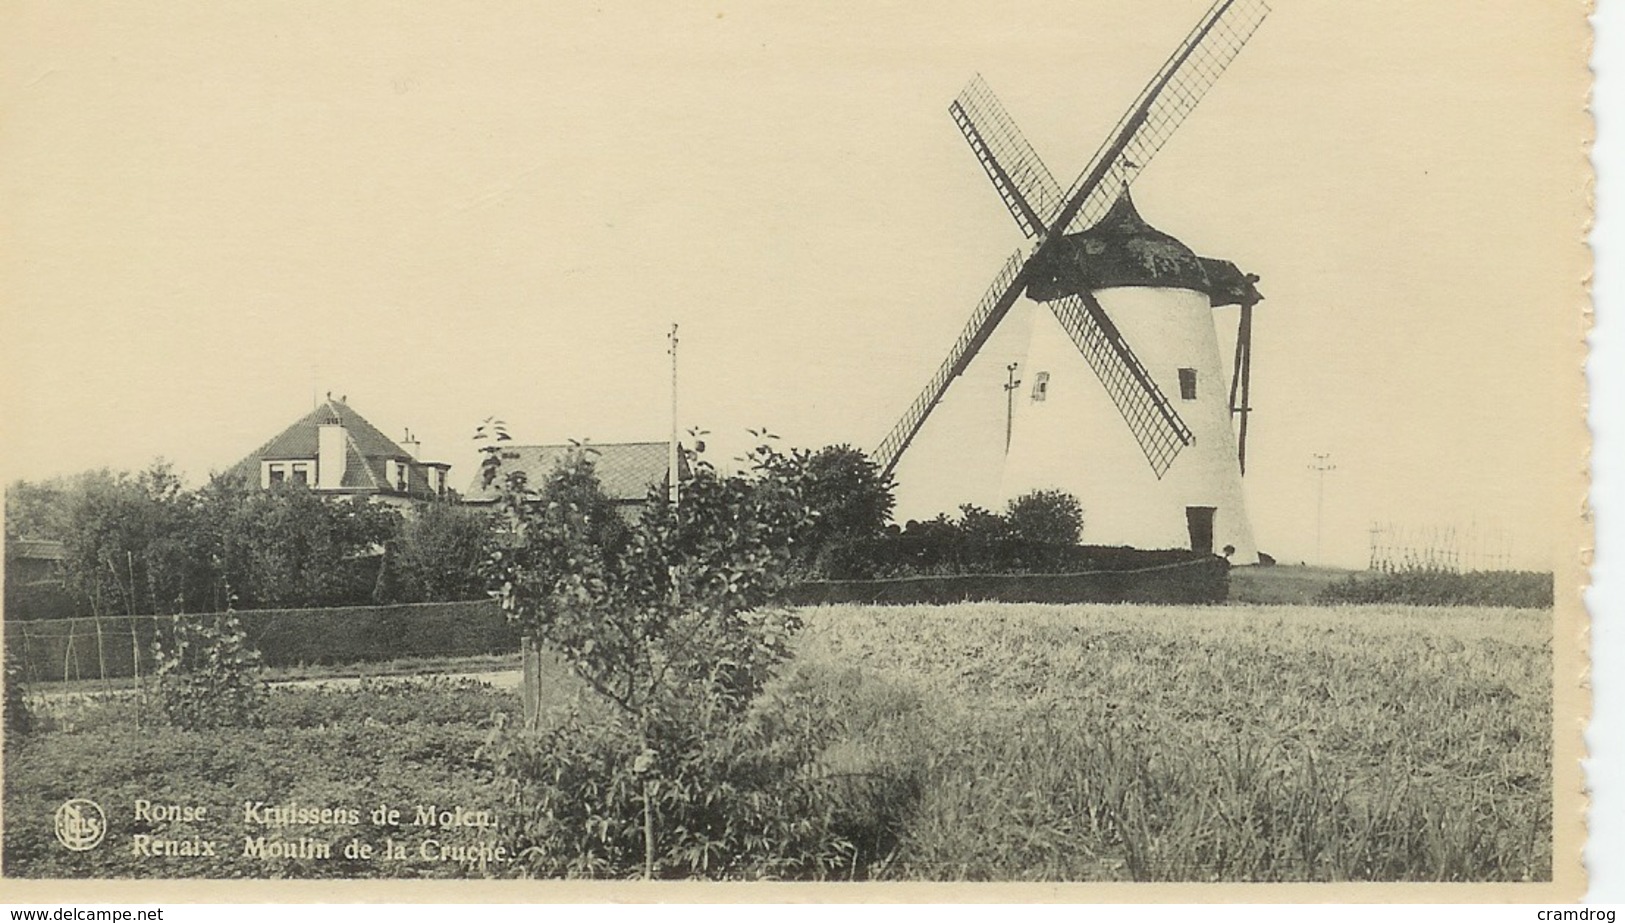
{"x":531,"y":668}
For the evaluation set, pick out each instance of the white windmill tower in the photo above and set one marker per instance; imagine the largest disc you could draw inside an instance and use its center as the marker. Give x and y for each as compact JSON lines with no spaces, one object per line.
{"x":1103,"y":279}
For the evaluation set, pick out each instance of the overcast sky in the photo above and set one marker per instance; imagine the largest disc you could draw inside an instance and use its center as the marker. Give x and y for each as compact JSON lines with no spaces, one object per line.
{"x":216,"y":211}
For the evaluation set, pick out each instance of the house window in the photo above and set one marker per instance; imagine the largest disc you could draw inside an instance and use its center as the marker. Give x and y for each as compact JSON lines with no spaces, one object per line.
{"x":279,"y":473}
{"x":397,"y":475}
{"x":1040,"y":386}
{"x":1187,"y":384}
{"x":301,"y":474}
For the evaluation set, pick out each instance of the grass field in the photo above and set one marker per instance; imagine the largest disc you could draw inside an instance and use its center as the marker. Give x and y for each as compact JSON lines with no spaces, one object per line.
{"x":1282,"y":584}
{"x":1043,"y":742}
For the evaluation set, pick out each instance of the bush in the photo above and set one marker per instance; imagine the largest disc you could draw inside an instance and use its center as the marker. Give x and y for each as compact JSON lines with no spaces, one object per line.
{"x":1427,"y":587}
{"x":770,"y":795}
{"x":1046,"y":516}
{"x":18,"y":720}
{"x":208,"y":675}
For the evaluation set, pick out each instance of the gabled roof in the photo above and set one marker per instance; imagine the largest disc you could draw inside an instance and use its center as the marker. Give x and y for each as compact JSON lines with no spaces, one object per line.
{"x":626,"y":470}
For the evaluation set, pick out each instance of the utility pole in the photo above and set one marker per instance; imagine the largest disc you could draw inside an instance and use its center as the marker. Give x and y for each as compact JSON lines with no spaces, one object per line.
{"x":674,"y":448}
{"x":1010,"y":385}
{"x":1321,"y":465}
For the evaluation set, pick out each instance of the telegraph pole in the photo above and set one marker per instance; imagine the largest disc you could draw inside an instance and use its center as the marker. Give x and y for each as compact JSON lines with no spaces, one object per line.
{"x":1321,"y":465}
{"x":673,"y":448}
{"x":1010,"y":385}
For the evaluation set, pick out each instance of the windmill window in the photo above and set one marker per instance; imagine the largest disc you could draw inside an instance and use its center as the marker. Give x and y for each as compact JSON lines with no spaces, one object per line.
{"x":1187,"y":384}
{"x":1040,"y":386}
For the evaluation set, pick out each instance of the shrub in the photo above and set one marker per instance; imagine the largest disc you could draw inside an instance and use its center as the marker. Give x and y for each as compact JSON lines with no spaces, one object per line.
{"x":1046,"y":516}
{"x":208,"y":675}
{"x":769,"y":795}
{"x":18,"y":719}
{"x":1430,"y":587}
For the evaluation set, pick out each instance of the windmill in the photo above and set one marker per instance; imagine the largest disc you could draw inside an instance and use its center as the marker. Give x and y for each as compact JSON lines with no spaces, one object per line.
{"x":1098,"y":279}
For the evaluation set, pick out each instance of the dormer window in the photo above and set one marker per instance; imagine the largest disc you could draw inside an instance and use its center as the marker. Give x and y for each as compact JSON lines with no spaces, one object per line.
{"x":273,"y":473}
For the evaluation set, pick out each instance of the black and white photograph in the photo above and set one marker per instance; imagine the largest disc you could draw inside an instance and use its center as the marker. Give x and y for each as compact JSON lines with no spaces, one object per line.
{"x":1061,"y":448}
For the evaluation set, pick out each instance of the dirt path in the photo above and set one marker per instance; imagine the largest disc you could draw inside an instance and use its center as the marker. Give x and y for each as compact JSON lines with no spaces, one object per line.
{"x":497,"y":679}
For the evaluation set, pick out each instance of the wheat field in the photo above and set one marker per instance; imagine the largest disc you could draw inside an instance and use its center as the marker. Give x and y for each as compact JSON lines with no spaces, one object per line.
{"x":1235,"y":743}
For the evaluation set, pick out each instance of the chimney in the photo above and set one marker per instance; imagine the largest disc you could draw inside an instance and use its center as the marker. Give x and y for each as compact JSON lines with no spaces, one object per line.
{"x":412,"y":446}
{"x":331,"y":450}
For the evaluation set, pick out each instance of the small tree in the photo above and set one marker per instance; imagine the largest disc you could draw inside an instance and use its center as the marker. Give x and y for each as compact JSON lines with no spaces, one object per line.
{"x":440,"y":554}
{"x":291,"y":547}
{"x":848,"y":494}
{"x":1052,"y":517}
{"x":208,"y":673}
{"x":673,"y":622}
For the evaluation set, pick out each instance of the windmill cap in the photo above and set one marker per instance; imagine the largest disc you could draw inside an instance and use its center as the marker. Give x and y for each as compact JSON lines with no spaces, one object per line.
{"x":1123,"y":251}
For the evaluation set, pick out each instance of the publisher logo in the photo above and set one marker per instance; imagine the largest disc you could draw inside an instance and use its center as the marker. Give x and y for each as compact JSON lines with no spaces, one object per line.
{"x":80,"y":824}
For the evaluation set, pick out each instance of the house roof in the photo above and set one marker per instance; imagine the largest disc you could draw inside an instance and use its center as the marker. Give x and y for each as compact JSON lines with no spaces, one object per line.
{"x":299,"y":440}
{"x":367,"y":449}
{"x":626,"y":470}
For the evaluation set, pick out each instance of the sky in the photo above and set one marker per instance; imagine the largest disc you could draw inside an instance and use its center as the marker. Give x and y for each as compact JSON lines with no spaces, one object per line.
{"x":215,"y":213}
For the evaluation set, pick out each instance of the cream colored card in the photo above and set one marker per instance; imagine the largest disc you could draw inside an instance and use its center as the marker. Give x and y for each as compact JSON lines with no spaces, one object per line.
{"x":437,"y":213}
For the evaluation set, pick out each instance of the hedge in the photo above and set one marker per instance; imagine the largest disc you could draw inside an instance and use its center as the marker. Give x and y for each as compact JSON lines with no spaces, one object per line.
{"x":923,"y":555}
{"x":1512,"y":589}
{"x":1194,"y":580}
{"x":85,"y":648}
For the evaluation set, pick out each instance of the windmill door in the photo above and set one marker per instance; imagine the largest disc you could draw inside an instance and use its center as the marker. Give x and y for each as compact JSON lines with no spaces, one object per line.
{"x":1199,"y":519}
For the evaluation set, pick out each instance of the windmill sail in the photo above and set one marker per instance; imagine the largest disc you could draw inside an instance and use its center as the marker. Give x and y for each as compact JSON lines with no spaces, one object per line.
{"x":1028,"y":191}
{"x":1164,"y":103}
{"x":995,"y":303}
{"x":1150,"y":417}
{"x":1027,"y":187}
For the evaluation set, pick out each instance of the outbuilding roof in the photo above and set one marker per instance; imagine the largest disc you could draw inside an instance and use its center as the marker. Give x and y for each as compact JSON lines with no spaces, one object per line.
{"x":626,"y":470}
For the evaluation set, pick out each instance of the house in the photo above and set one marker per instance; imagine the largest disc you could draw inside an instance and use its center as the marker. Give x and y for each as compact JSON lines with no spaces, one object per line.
{"x":626,"y":470}
{"x":334,"y":450}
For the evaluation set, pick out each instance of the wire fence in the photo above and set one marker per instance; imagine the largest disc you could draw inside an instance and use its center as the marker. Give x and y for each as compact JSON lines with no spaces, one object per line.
{"x":120,"y":646}
{"x":1403,"y":548}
